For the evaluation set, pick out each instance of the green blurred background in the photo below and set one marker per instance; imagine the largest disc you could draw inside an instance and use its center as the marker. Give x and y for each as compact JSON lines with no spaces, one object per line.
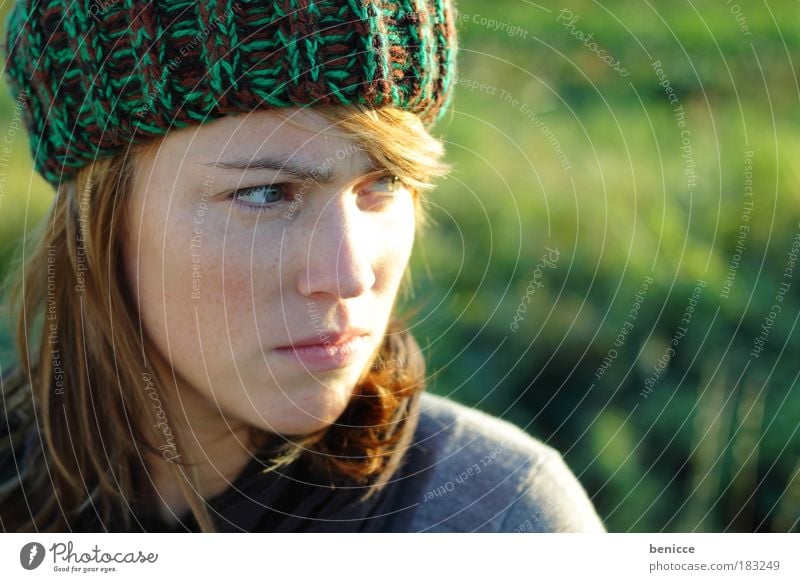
{"x":556,"y":145}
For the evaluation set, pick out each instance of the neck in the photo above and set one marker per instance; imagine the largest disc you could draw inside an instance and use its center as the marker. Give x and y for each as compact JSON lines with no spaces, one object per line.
{"x":205,"y":447}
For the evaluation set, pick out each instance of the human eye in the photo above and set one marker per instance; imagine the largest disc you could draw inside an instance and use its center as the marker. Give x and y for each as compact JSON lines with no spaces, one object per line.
{"x":382,"y":190}
{"x":261,"y":197}
{"x":385,"y":183}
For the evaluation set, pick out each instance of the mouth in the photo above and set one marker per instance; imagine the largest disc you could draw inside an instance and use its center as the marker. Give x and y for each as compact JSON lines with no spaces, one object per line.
{"x":328,"y":350}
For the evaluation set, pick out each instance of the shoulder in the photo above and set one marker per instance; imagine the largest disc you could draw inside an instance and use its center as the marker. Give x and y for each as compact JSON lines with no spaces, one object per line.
{"x":474,"y":472}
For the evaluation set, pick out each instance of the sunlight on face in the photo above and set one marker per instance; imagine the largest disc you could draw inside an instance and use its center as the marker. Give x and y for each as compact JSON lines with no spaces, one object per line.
{"x":249,"y":236}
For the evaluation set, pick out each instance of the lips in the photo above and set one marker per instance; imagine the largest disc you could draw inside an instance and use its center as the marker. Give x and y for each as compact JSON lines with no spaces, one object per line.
{"x":327,"y":350}
{"x":327,"y":338}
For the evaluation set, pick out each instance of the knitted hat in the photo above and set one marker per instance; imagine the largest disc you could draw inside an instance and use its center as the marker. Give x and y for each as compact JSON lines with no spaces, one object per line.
{"x":102,"y":74}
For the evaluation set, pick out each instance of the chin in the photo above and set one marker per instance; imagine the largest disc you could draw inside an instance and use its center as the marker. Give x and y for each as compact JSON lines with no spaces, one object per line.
{"x":306,"y":409}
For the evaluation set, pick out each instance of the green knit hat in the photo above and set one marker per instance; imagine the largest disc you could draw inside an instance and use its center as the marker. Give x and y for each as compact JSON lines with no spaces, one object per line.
{"x":101,"y":74}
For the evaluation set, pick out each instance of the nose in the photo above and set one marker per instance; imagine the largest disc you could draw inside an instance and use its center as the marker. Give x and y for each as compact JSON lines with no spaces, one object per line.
{"x":338,"y":253}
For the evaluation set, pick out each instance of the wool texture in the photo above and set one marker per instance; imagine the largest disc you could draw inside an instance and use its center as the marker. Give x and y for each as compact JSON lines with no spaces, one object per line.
{"x":95,"y":76}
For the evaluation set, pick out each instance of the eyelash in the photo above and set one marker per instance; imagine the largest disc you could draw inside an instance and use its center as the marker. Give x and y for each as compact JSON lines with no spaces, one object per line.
{"x":289,"y":188}
{"x":266,"y":207}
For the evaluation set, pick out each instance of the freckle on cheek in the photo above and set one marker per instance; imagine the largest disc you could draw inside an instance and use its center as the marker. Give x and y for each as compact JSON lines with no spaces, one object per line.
{"x":239,"y":287}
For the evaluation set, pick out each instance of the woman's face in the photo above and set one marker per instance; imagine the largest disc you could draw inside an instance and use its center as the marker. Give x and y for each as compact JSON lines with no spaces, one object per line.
{"x":250,"y":235}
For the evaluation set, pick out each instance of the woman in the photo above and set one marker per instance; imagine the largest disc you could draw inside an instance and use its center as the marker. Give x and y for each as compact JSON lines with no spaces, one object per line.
{"x":207,"y":331}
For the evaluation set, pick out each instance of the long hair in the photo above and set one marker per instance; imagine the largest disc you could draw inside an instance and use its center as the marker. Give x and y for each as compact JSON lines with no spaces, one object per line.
{"x":76,"y":419}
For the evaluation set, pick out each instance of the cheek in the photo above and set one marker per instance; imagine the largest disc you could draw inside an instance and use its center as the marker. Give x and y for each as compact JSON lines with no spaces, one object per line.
{"x":240,"y":292}
{"x":212,"y":285}
{"x":395,"y":236}
{"x":196,"y":303}
{"x":162,"y":272}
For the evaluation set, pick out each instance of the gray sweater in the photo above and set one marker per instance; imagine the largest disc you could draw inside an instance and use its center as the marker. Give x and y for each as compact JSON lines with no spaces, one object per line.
{"x":464,"y":471}
{"x":472,"y":472}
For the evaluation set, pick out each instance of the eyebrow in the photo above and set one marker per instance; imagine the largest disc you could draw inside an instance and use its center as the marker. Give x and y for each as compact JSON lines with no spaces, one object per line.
{"x":320,"y":174}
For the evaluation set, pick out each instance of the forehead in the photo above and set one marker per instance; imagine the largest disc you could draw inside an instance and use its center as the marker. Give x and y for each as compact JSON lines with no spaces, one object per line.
{"x":302,"y":134}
